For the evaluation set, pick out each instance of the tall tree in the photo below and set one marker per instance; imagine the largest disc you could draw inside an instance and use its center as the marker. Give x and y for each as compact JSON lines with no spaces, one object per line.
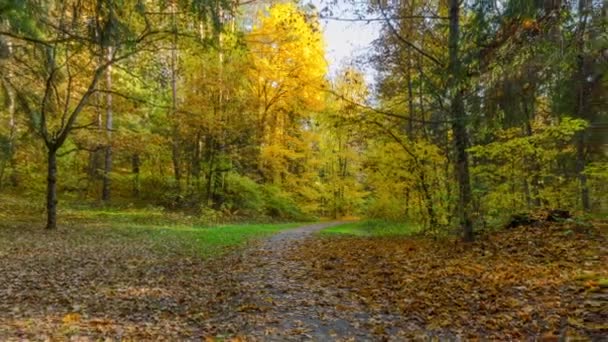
{"x":105,"y":194}
{"x":459,"y":122}
{"x":55,"y":59}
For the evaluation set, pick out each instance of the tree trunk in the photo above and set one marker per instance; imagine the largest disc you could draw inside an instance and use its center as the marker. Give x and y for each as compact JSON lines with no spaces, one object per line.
{"x":96,"y":156}
{"x":410,"y":97}
{"x":12,"y":129}
{"x":105,"y":194}
{"x":534,"y":167}
{"x":580,"y":169}
{"x":459,"y":125}
{"x":210,"y":175}
{"x":428,"y":200}
{"x":175,"y":138}
{"x":51,"y":188}
{"x":583,"y":108}
{"x":135,"y":163}
{"x":196,"y":163}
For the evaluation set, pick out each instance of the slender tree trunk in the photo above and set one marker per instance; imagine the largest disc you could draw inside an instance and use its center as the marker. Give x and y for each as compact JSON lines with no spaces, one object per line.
{"x":96,"y":156}
{"x":106,"y":188}
{"x":583,"y":108}
{"x":210,"y":176}
{"x":428,"y":201}
{"x":51,"y":188}
{"x":135,"y":164}
{"x":410,"y":97}
{"x":534,"y":167}
{"x":527,"y":196}
{"x":12,"y":129}
{"x":459,"y":124}
{"x":196,"y":163}
{"x":581,"y":161}
{"x":175,"y":155}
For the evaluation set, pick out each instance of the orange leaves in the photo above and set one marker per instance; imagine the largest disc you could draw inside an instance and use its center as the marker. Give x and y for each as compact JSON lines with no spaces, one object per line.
{"x":530,"y":25}
{"x":509,"y":285}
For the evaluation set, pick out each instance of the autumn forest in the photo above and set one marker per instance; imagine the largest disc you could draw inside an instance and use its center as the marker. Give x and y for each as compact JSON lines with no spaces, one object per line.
{"x":201,"y":169}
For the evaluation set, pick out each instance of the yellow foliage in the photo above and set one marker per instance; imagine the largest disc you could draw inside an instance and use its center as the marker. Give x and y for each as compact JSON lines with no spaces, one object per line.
{"x":71,"y":318}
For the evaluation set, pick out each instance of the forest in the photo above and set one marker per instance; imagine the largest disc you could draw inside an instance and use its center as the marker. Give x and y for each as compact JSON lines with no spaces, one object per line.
{"x":188,"y":169}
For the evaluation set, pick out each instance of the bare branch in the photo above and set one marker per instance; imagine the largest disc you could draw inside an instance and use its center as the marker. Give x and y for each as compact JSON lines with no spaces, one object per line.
{"x":382,"y":112}
{"x":408,"y":43}
{"x":368,"y":20}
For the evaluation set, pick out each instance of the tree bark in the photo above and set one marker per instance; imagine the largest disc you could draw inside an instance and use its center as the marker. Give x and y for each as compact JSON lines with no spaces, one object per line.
{"x":410,"y":97}
{"x":135,"y":163}
{"x":428,"y":200}
{"x":581,"y":161}
{"x":175,"y":138}
{"x":459,"y":125}
{"x":12,"y":128}
{"x":583,"y":108}
{"x":106,"y":188}
{"x":51,"y":188}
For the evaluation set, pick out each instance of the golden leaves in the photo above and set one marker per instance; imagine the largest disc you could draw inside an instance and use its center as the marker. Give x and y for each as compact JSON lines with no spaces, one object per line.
{"x":508,"y":285}
{"x":71,"y":318}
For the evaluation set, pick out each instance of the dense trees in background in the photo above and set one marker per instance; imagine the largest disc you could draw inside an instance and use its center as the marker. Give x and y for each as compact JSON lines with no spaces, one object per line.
{"x":481,"y":109}
{"x":508,"y":98}
{"x":201,"y":105}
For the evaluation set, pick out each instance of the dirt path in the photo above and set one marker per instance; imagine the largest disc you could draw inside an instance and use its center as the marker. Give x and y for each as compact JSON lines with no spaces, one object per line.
{"x":275,"y":299}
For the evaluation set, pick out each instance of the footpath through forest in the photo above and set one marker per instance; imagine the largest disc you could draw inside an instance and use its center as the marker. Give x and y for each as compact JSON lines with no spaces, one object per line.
{"x":277,"y":300}
{"x":546,"y":281}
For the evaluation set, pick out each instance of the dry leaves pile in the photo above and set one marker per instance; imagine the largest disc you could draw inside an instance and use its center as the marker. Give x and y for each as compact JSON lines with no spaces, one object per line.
{"x":545,"y":282}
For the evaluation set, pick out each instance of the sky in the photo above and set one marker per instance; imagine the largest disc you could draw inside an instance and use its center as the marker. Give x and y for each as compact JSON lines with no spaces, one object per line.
{"x":346,"y":40}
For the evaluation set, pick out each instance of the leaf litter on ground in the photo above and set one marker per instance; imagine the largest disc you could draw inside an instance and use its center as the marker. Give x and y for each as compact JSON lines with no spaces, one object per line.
{"x":542,"y":282}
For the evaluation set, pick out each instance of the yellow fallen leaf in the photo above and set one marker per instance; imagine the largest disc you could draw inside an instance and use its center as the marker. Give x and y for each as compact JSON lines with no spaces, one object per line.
{"x":71,"y":318}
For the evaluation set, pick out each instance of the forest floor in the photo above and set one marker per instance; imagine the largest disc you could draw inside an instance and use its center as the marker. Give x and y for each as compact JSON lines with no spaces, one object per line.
{"x":90,"y":282}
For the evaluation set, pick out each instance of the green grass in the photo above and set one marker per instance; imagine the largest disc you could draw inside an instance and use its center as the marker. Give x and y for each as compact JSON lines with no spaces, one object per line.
{"x":372,"y":228}
{"x":152,"y":229}
{"x":202,"y":241}
{"x":158,"y":240}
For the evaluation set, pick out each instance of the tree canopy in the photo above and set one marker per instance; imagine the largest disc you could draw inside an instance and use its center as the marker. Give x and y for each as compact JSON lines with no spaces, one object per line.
{"x":480,"y":109}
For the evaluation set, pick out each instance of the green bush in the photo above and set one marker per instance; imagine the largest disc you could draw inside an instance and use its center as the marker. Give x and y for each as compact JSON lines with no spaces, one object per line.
{"x":385,"y":207}
{"x":243,"y":193}
{"x":279,"y":205}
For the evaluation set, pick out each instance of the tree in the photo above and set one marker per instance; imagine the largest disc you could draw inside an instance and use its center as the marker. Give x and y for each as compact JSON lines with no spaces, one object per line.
{"x":459,"y":122}
{"x":287,"y":79}
{"x":69,"y":34}
{"x":340,"y":145}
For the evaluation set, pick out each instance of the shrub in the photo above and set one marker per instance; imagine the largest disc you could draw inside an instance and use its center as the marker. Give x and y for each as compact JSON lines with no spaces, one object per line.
{"x":243,"y":193}
{"x":280,"y":205}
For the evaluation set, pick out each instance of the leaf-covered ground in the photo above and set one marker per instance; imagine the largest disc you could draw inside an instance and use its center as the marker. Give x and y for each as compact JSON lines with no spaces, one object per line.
{"x":531,"y":282}
{"x":98,"y":283}
{"x":90,"y":281}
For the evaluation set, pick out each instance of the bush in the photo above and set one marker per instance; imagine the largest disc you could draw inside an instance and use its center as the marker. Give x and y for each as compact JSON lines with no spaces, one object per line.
{"x":280,"y":205}
{"x":242,"y":193}
{"x":210,"y":216}
{"x":385,"y":207}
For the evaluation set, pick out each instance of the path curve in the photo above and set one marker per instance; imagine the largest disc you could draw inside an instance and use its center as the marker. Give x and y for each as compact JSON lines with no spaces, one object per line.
{"x":274,"y":299}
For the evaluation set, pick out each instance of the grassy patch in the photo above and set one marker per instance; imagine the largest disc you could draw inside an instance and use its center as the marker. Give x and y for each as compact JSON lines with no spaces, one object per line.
{"x":373,"y":228}
{"x":158,"y":240}
{"x":204,"y":241}
{"x":153,"y":229}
